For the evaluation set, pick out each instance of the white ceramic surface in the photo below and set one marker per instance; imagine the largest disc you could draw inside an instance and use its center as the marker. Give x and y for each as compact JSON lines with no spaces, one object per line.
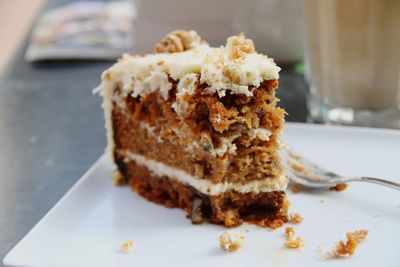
{"x":90,"y":222}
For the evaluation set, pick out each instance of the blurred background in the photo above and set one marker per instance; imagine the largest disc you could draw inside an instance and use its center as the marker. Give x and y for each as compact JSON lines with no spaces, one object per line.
{"x":14,"y":29}
{"x":278,"y":36}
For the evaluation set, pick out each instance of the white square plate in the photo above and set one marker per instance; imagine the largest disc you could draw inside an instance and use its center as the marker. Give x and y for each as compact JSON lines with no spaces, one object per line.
{"x":89,"y":223}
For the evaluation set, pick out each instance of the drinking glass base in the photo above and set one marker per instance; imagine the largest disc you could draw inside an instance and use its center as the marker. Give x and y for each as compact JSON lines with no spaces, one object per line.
{"x":331,"y":114}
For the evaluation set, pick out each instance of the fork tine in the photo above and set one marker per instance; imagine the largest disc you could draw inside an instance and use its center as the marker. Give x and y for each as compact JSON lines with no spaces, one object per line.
{"x":294,"y":156}
{"x":304,"y":171}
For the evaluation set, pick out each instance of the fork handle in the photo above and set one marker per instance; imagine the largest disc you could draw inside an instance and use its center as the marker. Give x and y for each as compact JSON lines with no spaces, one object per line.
{"x":374,"y":181}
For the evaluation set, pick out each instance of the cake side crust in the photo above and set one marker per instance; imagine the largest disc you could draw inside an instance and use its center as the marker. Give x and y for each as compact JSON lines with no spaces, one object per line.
{"x":266,"y":209}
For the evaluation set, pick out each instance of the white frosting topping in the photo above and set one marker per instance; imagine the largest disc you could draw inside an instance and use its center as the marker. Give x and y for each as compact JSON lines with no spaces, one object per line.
{"x":205,"y":186}
{"x":186,"y":87}
{"x":141,"y":75}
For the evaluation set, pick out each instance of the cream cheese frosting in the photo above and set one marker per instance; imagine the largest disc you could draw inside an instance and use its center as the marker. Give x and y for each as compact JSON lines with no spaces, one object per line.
{"x":141,"y":75}
{"x":205,"y":186}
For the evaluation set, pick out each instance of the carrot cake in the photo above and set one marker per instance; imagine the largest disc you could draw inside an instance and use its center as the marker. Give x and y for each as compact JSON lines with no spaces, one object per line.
{"x":196,"y":127}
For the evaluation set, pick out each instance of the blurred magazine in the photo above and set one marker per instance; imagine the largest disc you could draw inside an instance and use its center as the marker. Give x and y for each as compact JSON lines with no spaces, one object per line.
{"x":83,"y":30}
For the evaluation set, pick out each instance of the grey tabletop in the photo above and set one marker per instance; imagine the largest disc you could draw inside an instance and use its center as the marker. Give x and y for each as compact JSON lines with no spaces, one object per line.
{"x":52,"y":129}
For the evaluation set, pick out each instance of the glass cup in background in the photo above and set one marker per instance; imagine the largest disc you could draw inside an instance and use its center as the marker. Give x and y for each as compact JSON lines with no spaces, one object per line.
{"x":352,"y":61}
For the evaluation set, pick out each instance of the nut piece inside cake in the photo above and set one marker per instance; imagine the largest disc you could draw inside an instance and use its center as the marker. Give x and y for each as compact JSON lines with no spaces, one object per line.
{"x":197,"y":127}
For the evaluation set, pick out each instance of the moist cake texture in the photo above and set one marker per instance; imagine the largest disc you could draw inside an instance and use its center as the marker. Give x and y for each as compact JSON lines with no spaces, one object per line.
{"x":197,"y":127}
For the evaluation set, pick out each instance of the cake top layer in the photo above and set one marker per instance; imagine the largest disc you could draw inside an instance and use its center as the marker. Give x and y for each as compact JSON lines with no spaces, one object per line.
{"x":182,"y":55}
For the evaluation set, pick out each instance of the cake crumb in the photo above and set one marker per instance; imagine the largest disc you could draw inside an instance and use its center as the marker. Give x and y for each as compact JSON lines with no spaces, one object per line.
{"x":338,"y":187}
{"x":295,"y":218}
{"x":292,"y":243}
{"x":348,"y":247}
{"x":127,"y":246}
{"x":296,"y":188}
{"x":118,"y":178}
{"x":321,"y":201}
{"x":231,"y":241}
{"x":289,"y":231}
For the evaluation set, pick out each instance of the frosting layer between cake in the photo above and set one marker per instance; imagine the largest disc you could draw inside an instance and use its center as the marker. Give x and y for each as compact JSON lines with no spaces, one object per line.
{"x":205,"y":186}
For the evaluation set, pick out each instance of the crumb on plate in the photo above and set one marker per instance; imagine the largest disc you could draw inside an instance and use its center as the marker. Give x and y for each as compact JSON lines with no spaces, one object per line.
{"x":295,"y":218}
{"x":231,"y":241}
{"x":338,"y":187}
{"x":118,"y":178}
{"x":296,"y":188}
{"x":292,"y":243}
{"x":289,"y":232}
{"x":348,"y":247}
{"x":127,"y":246}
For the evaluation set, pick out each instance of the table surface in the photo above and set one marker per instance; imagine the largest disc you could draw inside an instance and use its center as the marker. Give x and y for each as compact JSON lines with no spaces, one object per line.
{"x":52,"y":129}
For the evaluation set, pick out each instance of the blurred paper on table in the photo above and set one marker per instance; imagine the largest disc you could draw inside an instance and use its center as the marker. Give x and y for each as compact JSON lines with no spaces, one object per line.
{"x":83,"y":30}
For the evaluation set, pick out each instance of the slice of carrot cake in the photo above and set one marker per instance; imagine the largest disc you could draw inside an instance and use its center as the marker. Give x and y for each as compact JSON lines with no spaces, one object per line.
{"x":197,"y":127}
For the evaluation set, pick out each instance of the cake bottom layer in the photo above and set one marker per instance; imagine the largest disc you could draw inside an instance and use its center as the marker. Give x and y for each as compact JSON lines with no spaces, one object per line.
{"x":267,"y":209}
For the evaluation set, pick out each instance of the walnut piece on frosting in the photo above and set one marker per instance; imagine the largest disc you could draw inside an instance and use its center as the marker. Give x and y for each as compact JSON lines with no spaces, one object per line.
{"x":239,"y":46}
{"x":178,"y":41}
{"x":232,"y":72}
{"x":231,"y":241}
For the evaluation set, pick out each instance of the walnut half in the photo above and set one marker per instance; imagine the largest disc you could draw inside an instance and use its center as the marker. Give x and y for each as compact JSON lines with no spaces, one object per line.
{"x":178,"y":41}
{"x":239,"y":46}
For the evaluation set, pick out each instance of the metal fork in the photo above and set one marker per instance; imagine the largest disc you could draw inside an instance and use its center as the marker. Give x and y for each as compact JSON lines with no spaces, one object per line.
{"x":304,"y":172}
